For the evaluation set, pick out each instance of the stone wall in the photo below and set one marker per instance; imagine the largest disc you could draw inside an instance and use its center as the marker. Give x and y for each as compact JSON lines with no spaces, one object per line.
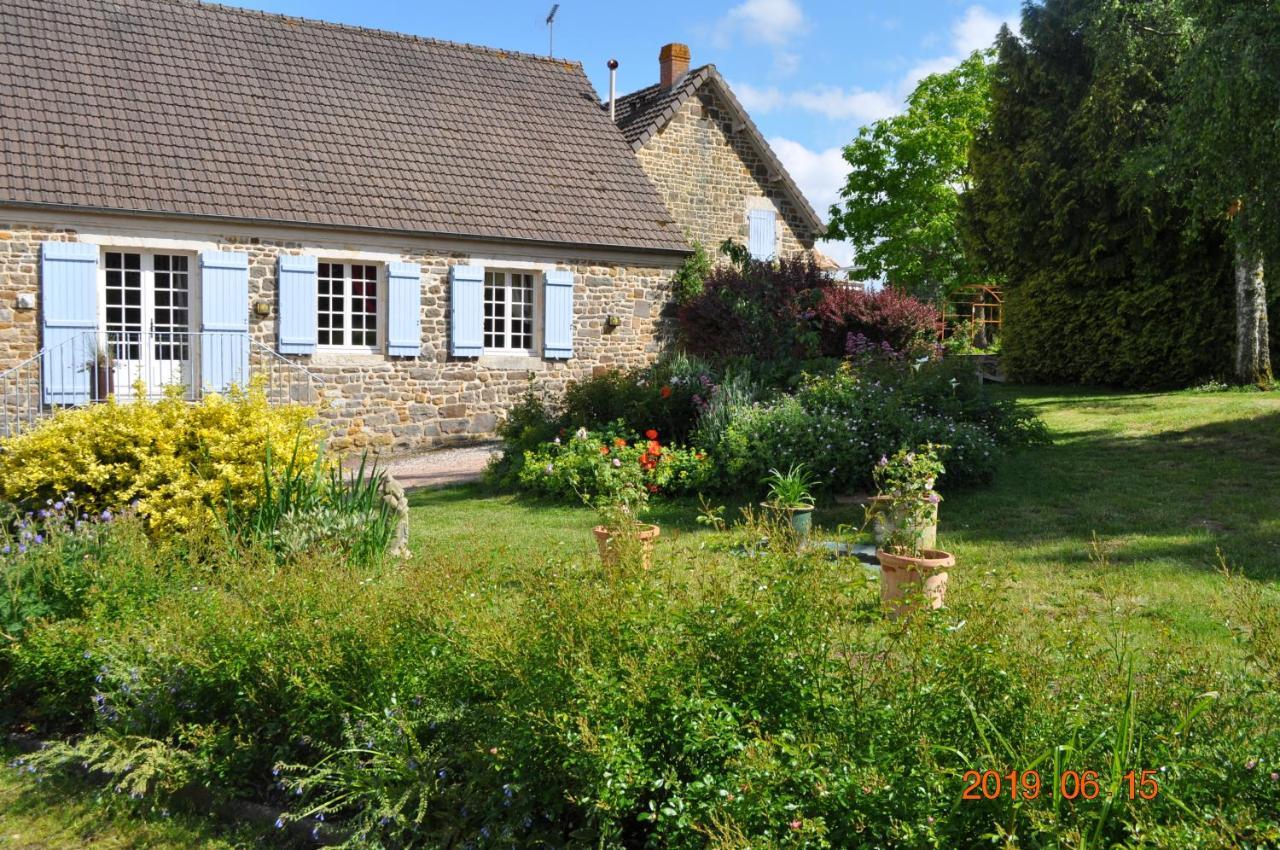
{"x":710,"y":176}
{"x":374,"y":401}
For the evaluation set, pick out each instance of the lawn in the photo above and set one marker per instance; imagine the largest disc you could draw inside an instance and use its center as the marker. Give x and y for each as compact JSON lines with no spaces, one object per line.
{"x":1125,"y":519}
{"x":1149,"y":492}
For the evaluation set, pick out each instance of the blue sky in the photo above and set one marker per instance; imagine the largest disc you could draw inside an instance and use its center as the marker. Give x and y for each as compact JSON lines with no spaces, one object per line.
{"x":810,"y":72}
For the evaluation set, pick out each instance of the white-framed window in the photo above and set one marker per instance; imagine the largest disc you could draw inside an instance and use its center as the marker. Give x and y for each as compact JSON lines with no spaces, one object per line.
{"x":509,"y":306}
{"x":349,"y":306}
{"x":148,"y":302}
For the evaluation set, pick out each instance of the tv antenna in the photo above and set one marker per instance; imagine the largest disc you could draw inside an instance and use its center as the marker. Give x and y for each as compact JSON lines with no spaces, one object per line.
{"x":551,"y":29}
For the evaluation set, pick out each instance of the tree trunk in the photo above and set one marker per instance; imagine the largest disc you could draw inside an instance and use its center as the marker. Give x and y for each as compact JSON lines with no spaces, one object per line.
{"x":1253,"y":346}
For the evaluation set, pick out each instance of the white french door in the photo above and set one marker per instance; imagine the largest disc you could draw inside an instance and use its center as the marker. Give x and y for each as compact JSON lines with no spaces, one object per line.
{"x":147,"y":319}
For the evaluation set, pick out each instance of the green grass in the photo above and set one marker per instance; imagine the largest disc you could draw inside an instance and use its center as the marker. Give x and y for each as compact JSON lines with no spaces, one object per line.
{"x":1165,"y":482}
{"x":53,"y":815}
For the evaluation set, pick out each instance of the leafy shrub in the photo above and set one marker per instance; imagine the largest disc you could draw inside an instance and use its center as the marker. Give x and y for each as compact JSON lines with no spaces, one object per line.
{"x":763,"y":311}
{"x":690,"y":278}
{"x":527,"y":425}
{"x":885,"y":316}
{"x":583,"y":465}
{"x":668,"y":396}
{"x":174,"y":459}
{"x":748,"y":702}
{"x":840,"y":424}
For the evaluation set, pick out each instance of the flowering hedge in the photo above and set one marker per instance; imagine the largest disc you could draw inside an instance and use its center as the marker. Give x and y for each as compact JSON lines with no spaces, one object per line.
{"x":583,"y":463}
{"x":175,"y":460}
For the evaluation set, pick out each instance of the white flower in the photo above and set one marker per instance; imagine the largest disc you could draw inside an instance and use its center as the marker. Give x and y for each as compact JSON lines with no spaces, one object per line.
{"x":556,"y":441}
{"x":550,"y":469}
{"x":581,"y":433}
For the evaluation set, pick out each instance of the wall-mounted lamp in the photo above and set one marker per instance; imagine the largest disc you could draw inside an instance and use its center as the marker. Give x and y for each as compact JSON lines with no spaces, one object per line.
{"x":261,"y":308}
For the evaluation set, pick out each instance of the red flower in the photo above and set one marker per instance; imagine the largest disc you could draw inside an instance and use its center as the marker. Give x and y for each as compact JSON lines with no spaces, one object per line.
{"x":655,"y":448}
{"x":619,"y":442}
{"x":604,"y":450}
{"x":653,"y":488}
{"x":665,"y":392}
{"x":651,"y":434}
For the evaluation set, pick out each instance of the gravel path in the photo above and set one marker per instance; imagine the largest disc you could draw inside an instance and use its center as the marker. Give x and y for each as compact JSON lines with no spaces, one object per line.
{"x":441,"y":467}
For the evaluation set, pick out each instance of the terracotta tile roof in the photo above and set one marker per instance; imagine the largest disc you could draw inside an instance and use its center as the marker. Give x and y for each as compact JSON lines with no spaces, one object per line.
{"x":175,"y":106}
{"x":642,"y":114}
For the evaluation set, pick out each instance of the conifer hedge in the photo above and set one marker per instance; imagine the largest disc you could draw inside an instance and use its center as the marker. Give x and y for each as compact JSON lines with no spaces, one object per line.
{"x":1110,"y":279}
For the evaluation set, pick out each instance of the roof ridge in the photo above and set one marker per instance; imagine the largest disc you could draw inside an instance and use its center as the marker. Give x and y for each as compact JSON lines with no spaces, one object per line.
{"x":385,"y":33}
{"x":684,"y":80}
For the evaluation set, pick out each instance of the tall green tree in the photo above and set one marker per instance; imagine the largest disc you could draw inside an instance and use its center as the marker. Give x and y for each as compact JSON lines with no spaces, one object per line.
{"x":1225,"y":136}
{"x":1110,"y":276}
{"x":900,"y":204}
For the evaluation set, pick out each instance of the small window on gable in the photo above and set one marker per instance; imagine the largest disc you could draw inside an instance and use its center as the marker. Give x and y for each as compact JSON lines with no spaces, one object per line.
{"x":348,"y":306}
{"x":508,"y":311}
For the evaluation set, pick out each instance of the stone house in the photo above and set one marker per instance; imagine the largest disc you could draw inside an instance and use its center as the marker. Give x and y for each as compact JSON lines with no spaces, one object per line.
{"x":407,"y":229}
{"x":713,"y":167}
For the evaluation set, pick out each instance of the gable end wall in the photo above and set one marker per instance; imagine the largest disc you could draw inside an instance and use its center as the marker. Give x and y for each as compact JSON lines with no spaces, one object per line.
{"x":710,"y":176}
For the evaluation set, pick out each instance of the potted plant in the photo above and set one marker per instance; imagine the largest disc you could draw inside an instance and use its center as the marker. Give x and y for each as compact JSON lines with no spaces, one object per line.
{"x":910,"y":566}
{"x":790,"y":494}
{"x":621,"y":498}
{"x":102,"y":369}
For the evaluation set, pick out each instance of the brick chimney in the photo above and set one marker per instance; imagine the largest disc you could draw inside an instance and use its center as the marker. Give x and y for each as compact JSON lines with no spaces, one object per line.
{"x":673,"y":62}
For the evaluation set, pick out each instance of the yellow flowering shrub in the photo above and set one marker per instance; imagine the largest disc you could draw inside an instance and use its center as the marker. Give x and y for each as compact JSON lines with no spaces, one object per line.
{"x":174,"y":459}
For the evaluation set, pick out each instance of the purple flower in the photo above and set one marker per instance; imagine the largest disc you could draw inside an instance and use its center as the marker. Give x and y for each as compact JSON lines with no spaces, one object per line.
{"x":106,"y":516}
{"x":1250,"y":764}
{"x":617,"y":462}
{"x":884,"y":461}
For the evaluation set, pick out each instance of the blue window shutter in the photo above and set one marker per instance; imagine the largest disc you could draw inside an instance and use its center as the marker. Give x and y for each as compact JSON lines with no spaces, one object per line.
{"x":762,"y":234}
{"x":224,"y":304}
{"x":466,"y":311}
{"x":557,"y":328}
{"x":69,"y":306}
{"x":297,"y":320}
{"x":404,"y":309}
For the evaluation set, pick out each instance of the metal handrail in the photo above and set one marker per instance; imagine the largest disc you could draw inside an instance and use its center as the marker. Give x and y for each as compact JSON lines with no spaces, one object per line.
{"x":285,"y":361}
{"x":112,"y":362}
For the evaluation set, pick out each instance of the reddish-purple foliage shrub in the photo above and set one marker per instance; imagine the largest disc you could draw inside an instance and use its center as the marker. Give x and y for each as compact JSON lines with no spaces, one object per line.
{"x":763,"y":311}
{"x":791,"y":309}
{"x":885,"y":316}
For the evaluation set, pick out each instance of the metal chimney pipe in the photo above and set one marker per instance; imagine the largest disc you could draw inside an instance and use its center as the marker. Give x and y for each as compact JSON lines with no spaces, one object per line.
{"x":613,"y":89}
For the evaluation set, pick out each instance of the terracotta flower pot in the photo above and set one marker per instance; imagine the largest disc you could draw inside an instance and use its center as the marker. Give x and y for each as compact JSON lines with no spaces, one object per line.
{"x":103,"y":381}
{"x":885,"y":519}
{"x":644,"y":533}
{"x":800,"y":517}
{"x":902,"y":576}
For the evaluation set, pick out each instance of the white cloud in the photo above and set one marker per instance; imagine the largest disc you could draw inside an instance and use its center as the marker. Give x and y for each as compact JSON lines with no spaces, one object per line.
{"x":773,"y":22}
{"x":974,"y":30}
{"x":831,"y":102}
{"x":757,"y":101}
{"x":840,"y":104}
